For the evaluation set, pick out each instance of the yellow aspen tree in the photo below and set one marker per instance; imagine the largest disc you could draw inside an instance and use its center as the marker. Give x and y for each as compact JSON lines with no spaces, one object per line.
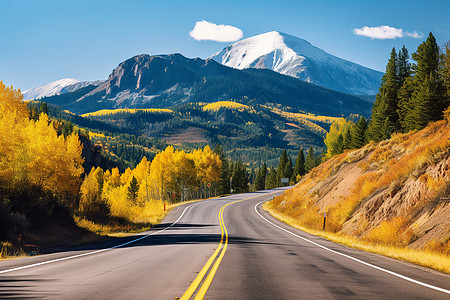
{"x":91,"y":203}
{"x":13,"y":121}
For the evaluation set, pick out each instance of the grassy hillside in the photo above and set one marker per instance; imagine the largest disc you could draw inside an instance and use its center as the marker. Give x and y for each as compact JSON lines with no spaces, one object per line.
{"x":393,"y":193}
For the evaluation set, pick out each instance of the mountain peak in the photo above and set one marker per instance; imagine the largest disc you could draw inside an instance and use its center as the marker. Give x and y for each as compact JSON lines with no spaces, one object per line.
{"x":298,"y":58}
{"x":57,"y":87}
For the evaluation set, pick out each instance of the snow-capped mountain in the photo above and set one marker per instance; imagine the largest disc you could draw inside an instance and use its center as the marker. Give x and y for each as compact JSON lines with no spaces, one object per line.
{"x":58,"y":87}
{"x":296,"y":57}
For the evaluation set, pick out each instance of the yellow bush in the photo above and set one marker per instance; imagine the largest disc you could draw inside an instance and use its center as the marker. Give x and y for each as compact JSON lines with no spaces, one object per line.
{"x":391,"y":232}
{"x":441,"y":247}
{"x":447,"y":114}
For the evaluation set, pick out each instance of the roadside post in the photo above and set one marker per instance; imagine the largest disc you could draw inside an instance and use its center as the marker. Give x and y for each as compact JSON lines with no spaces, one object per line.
{"x":324,"y":219}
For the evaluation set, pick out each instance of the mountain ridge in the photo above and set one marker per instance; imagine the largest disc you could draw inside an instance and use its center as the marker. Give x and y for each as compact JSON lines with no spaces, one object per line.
{"x":158,"y":81}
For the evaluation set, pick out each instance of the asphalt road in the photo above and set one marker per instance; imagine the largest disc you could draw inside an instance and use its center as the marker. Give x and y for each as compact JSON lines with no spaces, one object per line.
{"x":225,"y":248}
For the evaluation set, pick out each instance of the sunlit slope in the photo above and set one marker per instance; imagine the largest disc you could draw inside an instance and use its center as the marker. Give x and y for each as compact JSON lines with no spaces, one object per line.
{"x":104,"y":112}
{"x":215,"y":106}
{"x":394,"y":192}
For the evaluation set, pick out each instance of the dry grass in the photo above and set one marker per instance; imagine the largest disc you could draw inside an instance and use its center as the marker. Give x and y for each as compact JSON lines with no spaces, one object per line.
{"x":143,"y":220}
{"x":394,"y":232}
{"x":115,"y":230}
{"x":426,"y":258}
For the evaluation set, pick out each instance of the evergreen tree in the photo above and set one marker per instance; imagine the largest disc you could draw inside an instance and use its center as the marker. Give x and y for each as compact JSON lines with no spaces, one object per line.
{"x":299,"y":169}
{"x":429,"y":99}
{"x":446,"y":67}
{"x":288,"y":169}
{"x":271,"y":179}
{"x":240,"y":178}
{"x":133,"y":190}
{"x":44,"y":108}
{"x":359,"y":135}
{"x":338,"y":146}
{"x":224,"y":178}
{"x":310,"y":161}
{"x":386,"y":102}
{"x":34,"y":115}
{"x":348,"y":139}
{"x":281,"y":166}
{"x":260,"y":180}
{"x":404,"y":66}
{"x":404,"y":111}
{"x":225,"y":172}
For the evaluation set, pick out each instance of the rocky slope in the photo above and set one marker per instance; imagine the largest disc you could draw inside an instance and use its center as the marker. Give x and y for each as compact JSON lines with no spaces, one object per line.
{"x":293,"y":56}
{"x":394,"y":192}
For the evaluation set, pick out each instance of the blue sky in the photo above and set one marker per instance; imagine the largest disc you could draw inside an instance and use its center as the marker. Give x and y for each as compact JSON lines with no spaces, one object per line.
{"x":43,"y":41}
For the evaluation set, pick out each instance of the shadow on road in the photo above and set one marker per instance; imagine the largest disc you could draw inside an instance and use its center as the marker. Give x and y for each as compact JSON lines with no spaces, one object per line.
{"x":181,"y":226}
{"x":21,"y":287}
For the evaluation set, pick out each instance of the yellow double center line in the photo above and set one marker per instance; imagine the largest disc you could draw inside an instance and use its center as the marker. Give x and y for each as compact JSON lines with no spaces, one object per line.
{"x":204,"y":288}
{"x":223,"y":243}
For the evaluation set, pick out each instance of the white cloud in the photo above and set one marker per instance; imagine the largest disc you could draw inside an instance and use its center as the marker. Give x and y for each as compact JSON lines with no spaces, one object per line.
{"x":415,"y":34}
{"x":385,"y":32}
{"x":207,"y":31}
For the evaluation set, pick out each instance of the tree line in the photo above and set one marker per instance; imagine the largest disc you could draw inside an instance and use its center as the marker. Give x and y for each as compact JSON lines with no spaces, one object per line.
{"x":269,"y":178}
{"x":411,"y":96}
{"x":172,"y":176}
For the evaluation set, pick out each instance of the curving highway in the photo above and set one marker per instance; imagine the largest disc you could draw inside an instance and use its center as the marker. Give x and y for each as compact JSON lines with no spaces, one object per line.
{"x":225,"y":248}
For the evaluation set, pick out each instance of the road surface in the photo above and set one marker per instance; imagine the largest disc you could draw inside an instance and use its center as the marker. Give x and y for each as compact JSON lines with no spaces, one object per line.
{"x":225,"y":248}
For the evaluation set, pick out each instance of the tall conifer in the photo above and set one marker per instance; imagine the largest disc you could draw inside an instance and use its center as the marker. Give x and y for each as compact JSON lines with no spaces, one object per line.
{"x":260,"y":180}
{"x":386,"y":102}
{"x":299,"y":168}
{"x":359,"y":134}
{"x":429,"y":99}
{"x":310,"y":161}
{"x":281,"y":166}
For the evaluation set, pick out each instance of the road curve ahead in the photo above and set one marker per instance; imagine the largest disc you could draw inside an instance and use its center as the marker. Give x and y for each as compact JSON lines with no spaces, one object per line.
{"x":225,"y":248}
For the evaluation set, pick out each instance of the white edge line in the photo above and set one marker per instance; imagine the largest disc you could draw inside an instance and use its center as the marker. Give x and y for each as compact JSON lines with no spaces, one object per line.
{"x":355,"y":259}
{"x":94,"y":252}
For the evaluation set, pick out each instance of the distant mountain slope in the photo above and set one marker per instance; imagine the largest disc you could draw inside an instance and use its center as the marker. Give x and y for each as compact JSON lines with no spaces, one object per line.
{"x":231,"y":124}
{"x":293,"y":56}
{"x":146,"y":81}
{"x":58,"y":87}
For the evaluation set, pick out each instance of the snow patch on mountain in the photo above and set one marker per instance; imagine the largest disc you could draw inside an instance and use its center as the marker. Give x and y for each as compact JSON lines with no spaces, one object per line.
{"x":293,"y":56}
{"x":62,"y":86}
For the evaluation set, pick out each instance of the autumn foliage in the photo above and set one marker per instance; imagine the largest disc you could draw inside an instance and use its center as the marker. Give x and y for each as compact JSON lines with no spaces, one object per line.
{"x":42,"y":179}
{"x":31,"y":151}
{"x":40,"y":175}
{"x":138,"y":195}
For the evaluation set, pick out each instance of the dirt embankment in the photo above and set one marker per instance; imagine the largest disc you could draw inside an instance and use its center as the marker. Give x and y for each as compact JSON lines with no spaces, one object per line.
{"x":395,"y":192}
